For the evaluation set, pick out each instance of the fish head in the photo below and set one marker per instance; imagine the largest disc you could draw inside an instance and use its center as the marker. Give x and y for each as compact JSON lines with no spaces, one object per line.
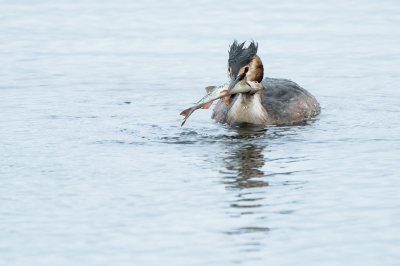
{"x":245,"y":86}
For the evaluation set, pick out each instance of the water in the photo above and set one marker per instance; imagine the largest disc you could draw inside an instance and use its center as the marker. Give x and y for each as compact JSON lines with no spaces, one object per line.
{"x":96,"y":170}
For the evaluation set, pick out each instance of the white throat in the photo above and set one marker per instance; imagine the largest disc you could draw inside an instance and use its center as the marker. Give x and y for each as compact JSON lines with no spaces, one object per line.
{"x":248,"y":109}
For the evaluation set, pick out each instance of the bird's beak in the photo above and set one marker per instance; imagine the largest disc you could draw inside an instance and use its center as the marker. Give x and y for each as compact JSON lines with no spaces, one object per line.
{"x":235,"y":80}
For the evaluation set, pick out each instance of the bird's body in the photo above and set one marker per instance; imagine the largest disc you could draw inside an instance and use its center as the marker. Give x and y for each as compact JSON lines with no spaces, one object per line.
{"x":282,"y":102}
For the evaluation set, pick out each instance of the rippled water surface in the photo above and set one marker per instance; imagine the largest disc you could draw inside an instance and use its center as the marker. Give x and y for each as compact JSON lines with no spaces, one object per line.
{"x":96,"y":170}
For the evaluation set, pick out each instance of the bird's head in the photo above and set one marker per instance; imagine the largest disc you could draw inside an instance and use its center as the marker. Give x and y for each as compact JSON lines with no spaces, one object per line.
{"x":244,"y":64}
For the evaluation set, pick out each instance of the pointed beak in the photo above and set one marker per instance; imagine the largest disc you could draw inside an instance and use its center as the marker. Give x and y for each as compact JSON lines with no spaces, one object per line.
{"x":235,"y":80}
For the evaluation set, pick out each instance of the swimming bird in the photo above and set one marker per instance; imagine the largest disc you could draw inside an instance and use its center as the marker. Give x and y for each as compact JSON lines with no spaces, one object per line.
{"x":281,"y":102}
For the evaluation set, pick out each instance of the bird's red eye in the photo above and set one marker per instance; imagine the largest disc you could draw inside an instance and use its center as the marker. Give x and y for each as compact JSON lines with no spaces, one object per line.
{"x":246,"y":69}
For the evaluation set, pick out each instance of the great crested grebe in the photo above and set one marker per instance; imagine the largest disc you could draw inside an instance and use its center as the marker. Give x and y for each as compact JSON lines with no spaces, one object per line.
{"x":282,"y":101}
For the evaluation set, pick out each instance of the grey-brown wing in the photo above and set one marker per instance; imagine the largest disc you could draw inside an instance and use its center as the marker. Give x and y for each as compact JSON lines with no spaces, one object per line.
{"x":286,"y":102}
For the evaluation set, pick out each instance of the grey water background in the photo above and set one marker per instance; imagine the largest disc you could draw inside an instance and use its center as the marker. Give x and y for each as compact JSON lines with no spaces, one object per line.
{"x":96,"y":170}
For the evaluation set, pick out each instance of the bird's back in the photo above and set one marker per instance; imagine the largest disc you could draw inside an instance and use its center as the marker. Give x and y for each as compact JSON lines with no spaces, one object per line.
{"x":287,"y":102}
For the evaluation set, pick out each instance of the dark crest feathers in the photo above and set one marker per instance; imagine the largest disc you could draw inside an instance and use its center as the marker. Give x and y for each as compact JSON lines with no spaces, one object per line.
{"x":239,"y":56}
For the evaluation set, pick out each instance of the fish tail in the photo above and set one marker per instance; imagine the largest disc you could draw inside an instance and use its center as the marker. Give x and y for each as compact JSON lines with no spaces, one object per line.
{"x":188,"y":112}
{"x":185,"y":112}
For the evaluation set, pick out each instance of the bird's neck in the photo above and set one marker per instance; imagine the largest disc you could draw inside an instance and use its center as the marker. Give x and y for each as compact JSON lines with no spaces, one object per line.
{"x":256,"y":72}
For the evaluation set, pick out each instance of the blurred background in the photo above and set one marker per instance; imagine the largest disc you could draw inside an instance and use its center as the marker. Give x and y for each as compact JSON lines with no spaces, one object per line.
{"x":96,"y":170}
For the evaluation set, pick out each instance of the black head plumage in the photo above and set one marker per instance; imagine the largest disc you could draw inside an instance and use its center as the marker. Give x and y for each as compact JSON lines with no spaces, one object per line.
{"x":239,"y":56}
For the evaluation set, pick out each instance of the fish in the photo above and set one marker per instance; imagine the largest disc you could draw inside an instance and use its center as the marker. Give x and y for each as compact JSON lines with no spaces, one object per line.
{"x":214,"y":93}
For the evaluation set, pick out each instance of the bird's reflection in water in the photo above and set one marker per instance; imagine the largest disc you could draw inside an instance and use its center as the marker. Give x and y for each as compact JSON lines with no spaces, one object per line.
{"x":245,"y":162}
{"x":244,"y":166}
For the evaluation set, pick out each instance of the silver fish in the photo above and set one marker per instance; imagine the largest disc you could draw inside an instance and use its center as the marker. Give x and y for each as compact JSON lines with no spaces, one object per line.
{"x":219,"y":92}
